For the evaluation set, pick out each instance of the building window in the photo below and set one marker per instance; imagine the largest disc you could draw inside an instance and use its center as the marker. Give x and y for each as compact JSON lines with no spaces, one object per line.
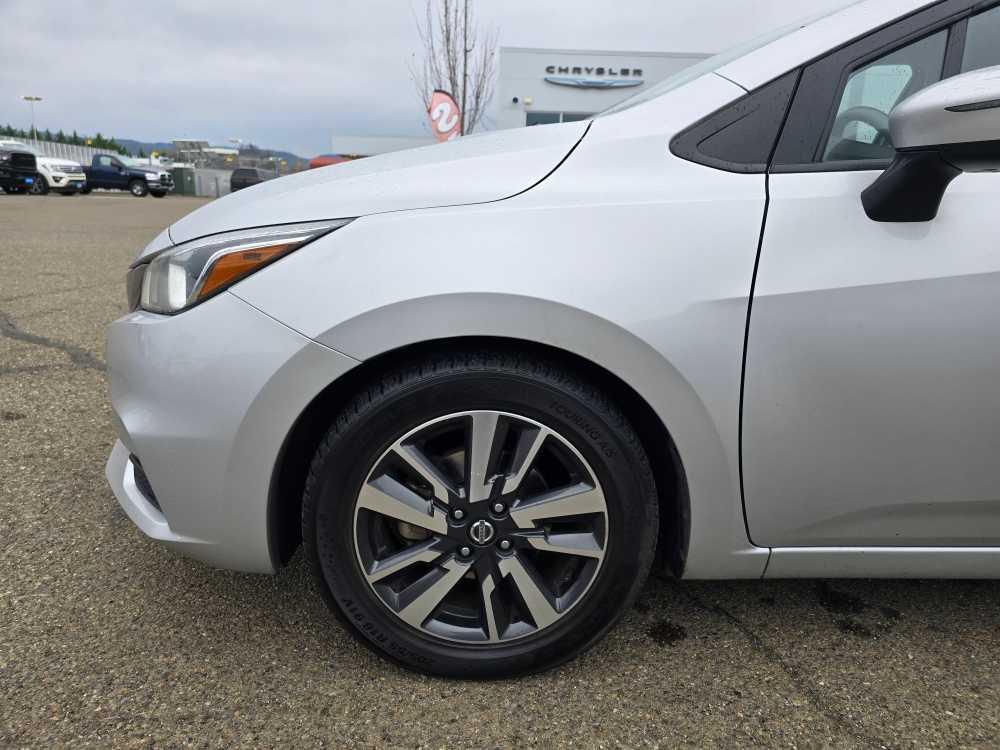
{"x":550,"y":118}
{"x":543,"y":118}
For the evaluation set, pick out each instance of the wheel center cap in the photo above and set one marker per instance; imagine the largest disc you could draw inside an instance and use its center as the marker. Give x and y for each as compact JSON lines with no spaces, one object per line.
{"x":481,"y":532}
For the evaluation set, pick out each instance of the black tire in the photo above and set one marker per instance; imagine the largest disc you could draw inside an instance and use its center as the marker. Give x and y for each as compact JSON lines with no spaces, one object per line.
{"x":540,"y":390}
{"x":85,"y":190}
{"x":138,"y":188}
{"x":40,"y":186}
{"x":158,"y":193}
{"x":14,"y":190}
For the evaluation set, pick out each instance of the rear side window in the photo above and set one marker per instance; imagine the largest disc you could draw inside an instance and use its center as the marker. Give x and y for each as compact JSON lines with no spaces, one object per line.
{"x":861,"y":126}
{"x":739,"y":137}
{"x":982,"y":41}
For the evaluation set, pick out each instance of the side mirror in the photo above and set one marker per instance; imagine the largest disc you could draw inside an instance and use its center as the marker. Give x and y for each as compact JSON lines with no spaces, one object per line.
{"x":947,"y":129}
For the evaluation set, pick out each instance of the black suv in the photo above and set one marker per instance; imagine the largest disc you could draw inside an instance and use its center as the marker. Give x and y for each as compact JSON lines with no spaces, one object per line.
{"x":18,"y":170}
{"x":245,"y":177}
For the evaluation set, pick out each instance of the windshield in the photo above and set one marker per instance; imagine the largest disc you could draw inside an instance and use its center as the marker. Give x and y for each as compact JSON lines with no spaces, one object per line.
{"x":724,"y":58}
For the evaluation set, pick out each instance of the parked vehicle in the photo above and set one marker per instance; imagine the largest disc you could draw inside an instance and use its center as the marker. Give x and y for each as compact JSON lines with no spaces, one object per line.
{"x":18,"y":167}
{"x":61,"y":175}
{"x":111,"y":173}
{"x":749,"y":315}
{"x":245,"y":177}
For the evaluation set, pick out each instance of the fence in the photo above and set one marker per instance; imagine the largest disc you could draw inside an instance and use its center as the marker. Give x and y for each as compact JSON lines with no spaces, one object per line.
{"x":82,"y":154}
{"x":211,"y":183}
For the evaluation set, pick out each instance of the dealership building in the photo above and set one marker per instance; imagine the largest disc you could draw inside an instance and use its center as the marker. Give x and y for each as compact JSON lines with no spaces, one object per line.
{"x":542,"y":86}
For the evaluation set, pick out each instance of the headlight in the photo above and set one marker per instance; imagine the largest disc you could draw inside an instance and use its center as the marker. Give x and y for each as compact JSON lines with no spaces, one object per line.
{"x":152,"y":176}
{"x":184,"y":275}
{"x":4,"y":155}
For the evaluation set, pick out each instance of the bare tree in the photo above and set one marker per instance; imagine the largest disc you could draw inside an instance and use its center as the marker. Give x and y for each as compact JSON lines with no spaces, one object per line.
{"x":456,"y":59}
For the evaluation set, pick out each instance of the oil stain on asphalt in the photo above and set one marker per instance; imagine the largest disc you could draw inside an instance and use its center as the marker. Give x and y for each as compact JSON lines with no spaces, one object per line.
{"x":666,"y":633}
{"x":843,"y":603}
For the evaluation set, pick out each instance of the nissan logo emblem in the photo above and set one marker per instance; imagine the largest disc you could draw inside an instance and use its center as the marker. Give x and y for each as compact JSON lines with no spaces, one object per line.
{"x":481,"y":532}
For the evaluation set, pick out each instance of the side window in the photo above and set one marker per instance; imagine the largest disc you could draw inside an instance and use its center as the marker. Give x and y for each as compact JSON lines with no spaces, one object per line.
{"x":861,"y":127}
{"x":982,"y":41}
{"x":104,"y":161}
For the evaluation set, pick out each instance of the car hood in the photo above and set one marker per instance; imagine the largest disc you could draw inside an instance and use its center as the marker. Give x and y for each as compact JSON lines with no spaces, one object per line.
{"x":474,"y":169}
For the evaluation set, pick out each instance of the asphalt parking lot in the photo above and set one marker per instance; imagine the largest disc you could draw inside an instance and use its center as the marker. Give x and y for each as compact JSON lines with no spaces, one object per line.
{"x":108,"y":640}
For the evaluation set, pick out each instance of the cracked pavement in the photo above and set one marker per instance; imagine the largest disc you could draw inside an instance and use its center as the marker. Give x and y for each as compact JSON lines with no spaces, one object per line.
{"x":107,"y":640}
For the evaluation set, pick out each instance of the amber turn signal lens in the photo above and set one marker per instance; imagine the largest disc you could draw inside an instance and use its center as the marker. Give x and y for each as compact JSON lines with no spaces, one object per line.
{"x":232,"y":267}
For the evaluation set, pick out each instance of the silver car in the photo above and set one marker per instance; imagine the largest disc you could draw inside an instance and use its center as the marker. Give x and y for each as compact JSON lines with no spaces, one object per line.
{"x":743,"y":325}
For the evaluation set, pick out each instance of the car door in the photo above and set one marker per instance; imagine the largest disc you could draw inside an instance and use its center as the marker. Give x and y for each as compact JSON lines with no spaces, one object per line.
{"x":118,"y":174}
{"x":106,"y":172}
{"x":872,"y":379}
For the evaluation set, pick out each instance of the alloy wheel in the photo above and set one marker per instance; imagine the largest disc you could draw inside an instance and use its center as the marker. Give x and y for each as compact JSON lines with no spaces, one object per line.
{"x":480,"y":527}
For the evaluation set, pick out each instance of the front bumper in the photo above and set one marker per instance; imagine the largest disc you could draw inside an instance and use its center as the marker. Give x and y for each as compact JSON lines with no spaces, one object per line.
{"x":165,"y":182}
{"x":70,"y":181}
{"x":16,"y":178}
{"x":205,"y":401}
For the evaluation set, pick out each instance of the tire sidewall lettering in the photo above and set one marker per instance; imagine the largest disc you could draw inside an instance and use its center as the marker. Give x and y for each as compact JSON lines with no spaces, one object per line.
{"x":581,"y":423}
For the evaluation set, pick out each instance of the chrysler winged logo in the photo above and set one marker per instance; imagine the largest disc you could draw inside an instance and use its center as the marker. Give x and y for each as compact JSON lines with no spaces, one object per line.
{"x":596,"y":77}
{"x":481,"y":532}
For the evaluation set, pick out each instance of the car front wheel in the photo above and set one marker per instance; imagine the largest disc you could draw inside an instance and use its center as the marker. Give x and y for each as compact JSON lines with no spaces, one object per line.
{"x":138,"y":188}
{"x":480,"y":515}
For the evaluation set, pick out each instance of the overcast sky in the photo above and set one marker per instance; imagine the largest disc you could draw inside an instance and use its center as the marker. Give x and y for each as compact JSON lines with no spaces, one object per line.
{"x":289,"y":74}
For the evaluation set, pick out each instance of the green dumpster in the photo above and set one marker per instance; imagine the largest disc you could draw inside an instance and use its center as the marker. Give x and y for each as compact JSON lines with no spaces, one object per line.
{"x":183,"y":180}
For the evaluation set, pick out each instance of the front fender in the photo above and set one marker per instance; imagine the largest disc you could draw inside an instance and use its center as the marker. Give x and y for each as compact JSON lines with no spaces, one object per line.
{"x":716,"y":521}
{"x":627,"y":256}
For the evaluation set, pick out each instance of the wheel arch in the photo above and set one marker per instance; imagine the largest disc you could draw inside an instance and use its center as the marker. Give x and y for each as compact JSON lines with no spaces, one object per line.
{"x":292,"y":465}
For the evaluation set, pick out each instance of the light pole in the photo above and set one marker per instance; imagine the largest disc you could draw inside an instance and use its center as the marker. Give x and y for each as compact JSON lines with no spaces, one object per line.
{"x":31,"y":101}
{"x":239,"y":143}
